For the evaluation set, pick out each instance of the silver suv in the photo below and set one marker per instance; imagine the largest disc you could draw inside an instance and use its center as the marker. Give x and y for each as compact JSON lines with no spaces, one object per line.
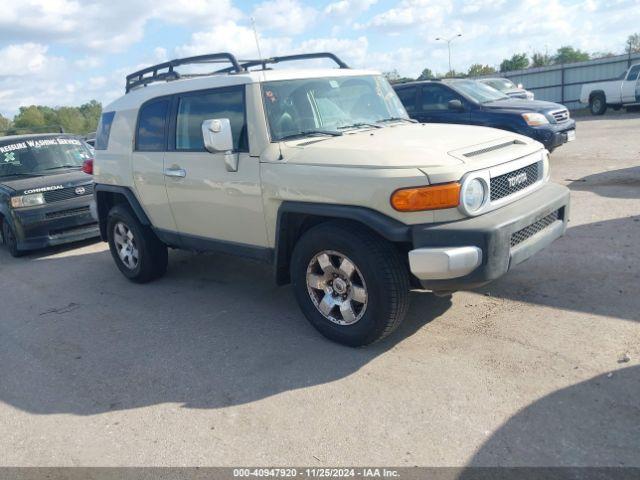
{"x":322,"y":174}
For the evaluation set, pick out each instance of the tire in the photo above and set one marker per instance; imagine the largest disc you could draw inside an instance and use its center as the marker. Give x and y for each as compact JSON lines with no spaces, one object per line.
{"x":10,"y":241}
{"x":374,"y":293}
{"x":147,"y":255}
{"x":598,"y":104}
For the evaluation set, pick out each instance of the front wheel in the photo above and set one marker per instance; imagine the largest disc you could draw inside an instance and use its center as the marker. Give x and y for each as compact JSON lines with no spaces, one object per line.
{"x":352,"y":285}
{"x":137,"y":251}
{"x":598,"y":104}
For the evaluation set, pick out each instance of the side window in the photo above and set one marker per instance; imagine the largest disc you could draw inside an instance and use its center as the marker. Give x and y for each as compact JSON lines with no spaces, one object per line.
{"x":437,"y":97}
{"x":408,"y":98}
{"x":194,"y":109}
{"x":104,"y":130}
{"x":152,"y":119}
{"x":633,"y":73}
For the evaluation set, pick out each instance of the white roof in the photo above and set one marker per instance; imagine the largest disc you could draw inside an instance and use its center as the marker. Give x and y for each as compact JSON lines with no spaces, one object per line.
{"x":139,"y":95}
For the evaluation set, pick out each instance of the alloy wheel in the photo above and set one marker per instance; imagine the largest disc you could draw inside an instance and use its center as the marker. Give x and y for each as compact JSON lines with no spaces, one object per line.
{"x":125,"y":243}
{"x":336,"y":287}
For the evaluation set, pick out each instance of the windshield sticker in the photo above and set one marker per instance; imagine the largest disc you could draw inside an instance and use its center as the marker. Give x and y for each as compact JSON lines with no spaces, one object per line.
{"x":12,"y":147}
{"x":68,"y":141}
{"x":43,"y":142}
{"x":10,"y":159}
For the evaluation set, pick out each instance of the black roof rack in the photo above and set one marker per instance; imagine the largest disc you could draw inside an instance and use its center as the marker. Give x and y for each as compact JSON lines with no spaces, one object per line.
{"x":245,"y":64}
{"x":138,"y":78}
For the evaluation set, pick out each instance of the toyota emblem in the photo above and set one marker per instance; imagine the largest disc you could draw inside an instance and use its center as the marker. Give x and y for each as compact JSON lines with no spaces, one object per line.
{"x":81,"y":191}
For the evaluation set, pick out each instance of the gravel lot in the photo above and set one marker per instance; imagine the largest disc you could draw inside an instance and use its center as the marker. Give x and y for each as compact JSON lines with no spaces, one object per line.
{"x":214,"y":364}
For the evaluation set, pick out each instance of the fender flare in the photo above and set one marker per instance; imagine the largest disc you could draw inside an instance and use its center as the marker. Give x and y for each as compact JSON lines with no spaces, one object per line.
{"x":385,"y":226}
{"x":103,"y":210}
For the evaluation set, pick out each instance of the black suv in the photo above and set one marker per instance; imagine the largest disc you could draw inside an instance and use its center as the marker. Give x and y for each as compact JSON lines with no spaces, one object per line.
{"x":45,"y":193}
{"x":470,"y":102}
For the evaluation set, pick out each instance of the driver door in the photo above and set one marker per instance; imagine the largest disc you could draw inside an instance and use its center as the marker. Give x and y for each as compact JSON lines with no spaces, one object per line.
{"x":210,"y":203}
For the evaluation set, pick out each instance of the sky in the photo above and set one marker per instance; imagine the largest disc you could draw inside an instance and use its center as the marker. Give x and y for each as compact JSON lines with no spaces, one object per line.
{"x":67,"y":52}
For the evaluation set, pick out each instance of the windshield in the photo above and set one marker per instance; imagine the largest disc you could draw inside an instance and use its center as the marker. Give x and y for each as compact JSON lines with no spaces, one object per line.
{"x":41,"y":155}
{"x":503,"y":85}
{"x":329,"y":105}
{"x":479,"y":92}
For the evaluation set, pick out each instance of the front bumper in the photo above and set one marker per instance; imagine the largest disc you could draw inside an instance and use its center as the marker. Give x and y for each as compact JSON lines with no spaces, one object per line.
{"x":54,"y":224}
{"x":443,"y":257}
{"x":554,"y":135}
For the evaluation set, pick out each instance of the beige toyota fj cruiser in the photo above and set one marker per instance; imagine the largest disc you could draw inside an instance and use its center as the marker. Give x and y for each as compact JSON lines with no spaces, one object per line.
{"x":322,"y":174}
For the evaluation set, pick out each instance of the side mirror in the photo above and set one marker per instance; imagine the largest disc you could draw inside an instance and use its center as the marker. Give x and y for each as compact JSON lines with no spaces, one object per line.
{"x":520,"y":86}
{"x":217,"y":135}
{"x":456,"y":105}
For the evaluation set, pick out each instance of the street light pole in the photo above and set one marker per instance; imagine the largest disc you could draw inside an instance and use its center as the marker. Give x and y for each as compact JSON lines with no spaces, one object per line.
{"x":449,"y":40}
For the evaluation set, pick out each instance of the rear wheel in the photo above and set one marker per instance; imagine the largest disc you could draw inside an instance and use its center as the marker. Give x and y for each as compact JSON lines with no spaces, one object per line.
{"x":598,"y":104}
{"x":10,"y":241}
{"x":351,"y":284}
{"x":137,"y":251}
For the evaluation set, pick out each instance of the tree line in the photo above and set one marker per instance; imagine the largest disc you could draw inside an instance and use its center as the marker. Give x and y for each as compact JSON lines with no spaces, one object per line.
{"x":521,"y":61}
{"x":40,"y":119}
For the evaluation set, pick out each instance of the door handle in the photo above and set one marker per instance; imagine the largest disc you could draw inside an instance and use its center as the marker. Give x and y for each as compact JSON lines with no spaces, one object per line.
{"x":175,"y":172}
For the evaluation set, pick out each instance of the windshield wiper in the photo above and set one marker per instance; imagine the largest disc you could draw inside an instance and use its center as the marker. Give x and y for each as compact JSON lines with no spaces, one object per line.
{"x":397,"y":119}
{"x":309,"y":133}
{"x":60,"y":167}
{"x":359,"y":125}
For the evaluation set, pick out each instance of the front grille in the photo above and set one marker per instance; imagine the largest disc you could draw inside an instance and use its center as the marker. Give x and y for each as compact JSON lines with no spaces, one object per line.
{"x":67,"y":213}
{"x":560,"y":115}
{"x":527,"y":232}
{"x":512,"y":182}
{"x":492,"y":148}
{"x":67,"y":193}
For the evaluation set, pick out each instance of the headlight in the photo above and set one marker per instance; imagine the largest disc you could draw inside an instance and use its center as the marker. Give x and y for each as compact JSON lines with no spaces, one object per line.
{"x":474,"y":194}
{"x":535,"y":119}
{"x":30,"y":200}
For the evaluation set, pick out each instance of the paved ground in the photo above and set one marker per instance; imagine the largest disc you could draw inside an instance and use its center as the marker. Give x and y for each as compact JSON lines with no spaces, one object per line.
{"x":213,"y":365}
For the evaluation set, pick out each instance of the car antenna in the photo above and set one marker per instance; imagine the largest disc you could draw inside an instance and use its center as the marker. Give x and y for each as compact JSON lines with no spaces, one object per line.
{"x":255,"y":34}
{"x":264,"y":66}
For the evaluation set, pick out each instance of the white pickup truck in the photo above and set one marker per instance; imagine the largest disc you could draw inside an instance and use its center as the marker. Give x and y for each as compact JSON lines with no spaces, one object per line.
{"x":624,"y":91}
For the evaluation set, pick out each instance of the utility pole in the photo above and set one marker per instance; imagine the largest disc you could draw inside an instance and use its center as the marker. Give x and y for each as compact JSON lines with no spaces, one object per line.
{"x":449,"y":40}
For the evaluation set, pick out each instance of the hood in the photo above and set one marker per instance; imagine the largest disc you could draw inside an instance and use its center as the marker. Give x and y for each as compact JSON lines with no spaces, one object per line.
{"x":517,"y":105}
{"x":400,"y":146}
{"x":64,"y":180}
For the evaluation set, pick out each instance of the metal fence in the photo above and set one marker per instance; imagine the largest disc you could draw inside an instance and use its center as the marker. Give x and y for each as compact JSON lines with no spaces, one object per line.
{"x":562,"y":83}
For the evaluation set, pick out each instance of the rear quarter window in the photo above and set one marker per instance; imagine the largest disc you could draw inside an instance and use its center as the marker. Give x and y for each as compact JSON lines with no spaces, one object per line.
{"x":104,"y":130}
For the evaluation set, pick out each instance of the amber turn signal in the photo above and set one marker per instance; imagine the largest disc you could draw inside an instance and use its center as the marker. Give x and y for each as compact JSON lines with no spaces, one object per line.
{"x":433,"y":197}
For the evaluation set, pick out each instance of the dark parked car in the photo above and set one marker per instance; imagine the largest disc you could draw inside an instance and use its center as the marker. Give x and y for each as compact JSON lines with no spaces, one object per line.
{"x":509,"y":88}
{"x":45,"y":191}
{"x":469,"y":102}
